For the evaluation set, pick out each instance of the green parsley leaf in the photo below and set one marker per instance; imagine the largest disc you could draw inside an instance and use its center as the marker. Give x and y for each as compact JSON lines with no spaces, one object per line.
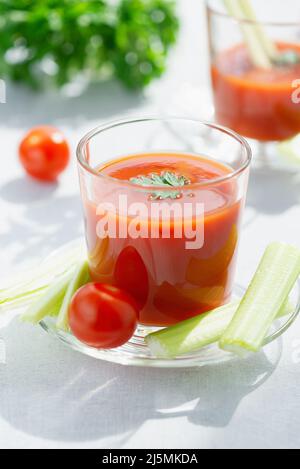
{"x":164,"y":179}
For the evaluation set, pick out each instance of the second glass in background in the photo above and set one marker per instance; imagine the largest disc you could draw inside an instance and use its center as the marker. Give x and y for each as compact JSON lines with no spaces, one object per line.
{"x":257,"y":102}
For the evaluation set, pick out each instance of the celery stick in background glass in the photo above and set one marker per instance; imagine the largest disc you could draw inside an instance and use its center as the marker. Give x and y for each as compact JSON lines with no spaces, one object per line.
{"x":270,"y":286}
{"x":255,"y":37}
{"x":262,"y":49}
{"x":268,"y":45}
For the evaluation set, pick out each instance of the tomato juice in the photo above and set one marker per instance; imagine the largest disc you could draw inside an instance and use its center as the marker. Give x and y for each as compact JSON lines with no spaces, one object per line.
{"x":256,"y":103}
{"x":169,"y":282}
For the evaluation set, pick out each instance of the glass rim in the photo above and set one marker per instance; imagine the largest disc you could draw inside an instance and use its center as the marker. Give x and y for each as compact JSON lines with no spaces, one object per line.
{"x":236,"y":19}
{"x":83,"y":163}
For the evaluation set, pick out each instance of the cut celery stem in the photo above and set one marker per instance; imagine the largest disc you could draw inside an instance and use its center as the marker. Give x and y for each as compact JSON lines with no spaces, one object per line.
{"x":47,"y":303}
{"x":80,"y":277}
{"x":265,"y":41}
{"x":195,"y":333}
{"x":29,"y":285}
{"x":23,"y":298}
{"x":269,"y":288}
{"x":253,"y":39}
{"x":289,"y":150}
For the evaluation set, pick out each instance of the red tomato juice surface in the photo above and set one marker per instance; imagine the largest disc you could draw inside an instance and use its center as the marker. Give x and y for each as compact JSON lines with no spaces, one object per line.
{"x":257,"y":103}
{"x":169,"y":282}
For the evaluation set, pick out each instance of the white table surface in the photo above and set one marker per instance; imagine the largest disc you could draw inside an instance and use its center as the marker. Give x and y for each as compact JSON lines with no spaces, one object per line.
{"x":52,"y":397}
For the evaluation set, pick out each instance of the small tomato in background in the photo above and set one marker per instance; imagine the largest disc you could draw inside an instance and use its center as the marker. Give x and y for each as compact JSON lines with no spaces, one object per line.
{"x":44,"y":153}
{"x":103,"y":316}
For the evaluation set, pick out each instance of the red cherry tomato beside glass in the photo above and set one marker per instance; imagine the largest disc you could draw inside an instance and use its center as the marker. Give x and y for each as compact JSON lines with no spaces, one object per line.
{"x":44,"y":153}
{"x":102,"y":316}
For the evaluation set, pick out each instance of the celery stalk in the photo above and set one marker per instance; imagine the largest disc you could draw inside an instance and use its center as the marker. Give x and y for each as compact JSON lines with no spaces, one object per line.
{"x":31,"y":284}
{"x":268,"y":45}
{"x":253,"y":40}
{"x":289,"y":151}
{"x":195,"y":333}
{"x":48,"y":302}
{"x":270,"y":286}
{"x":80,"y":277}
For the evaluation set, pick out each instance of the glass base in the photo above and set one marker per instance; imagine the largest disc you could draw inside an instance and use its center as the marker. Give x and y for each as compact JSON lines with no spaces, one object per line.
{"x":137,"y":353}
{"x":269,"y":156}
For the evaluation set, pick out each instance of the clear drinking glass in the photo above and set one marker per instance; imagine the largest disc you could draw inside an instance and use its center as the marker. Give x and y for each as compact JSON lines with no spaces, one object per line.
{"x":172,"y":274}
{"x":258,"y":102}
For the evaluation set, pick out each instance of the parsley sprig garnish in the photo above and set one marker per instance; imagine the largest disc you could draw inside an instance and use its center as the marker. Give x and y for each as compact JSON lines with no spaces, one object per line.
{"x":287,"y":58}
{"x":164,"y":179}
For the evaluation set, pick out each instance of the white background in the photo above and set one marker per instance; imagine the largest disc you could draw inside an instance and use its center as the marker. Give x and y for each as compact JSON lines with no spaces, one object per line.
{"x":52,"y":397}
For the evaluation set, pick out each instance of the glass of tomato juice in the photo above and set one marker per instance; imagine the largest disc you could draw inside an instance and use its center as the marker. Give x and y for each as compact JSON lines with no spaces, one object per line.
{"x":260,"y":102}
{"x":162,"y":201}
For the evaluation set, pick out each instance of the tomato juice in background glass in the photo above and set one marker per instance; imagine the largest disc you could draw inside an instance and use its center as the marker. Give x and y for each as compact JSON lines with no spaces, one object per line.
{"x":168,"y":281}
{"x":255,"y":102}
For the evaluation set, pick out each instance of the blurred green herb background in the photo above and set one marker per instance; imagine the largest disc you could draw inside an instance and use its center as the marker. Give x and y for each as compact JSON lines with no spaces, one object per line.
{"x":53,"y":42}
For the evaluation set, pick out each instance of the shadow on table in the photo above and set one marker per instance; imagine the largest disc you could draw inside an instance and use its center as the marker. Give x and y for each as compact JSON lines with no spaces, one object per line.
{"x":221,"y":388}
{"x":54,"y":393}
{"x":48,"y":220}
{"x":25,"y":108}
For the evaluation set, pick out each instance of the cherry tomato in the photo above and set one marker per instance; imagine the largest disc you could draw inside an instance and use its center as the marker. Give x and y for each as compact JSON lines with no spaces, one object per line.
{"x":44,"y":153}
{"x":102,"y":316}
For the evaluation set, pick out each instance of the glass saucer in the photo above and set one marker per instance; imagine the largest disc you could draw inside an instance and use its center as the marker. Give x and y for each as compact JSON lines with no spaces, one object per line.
{"x":137,"y":353}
